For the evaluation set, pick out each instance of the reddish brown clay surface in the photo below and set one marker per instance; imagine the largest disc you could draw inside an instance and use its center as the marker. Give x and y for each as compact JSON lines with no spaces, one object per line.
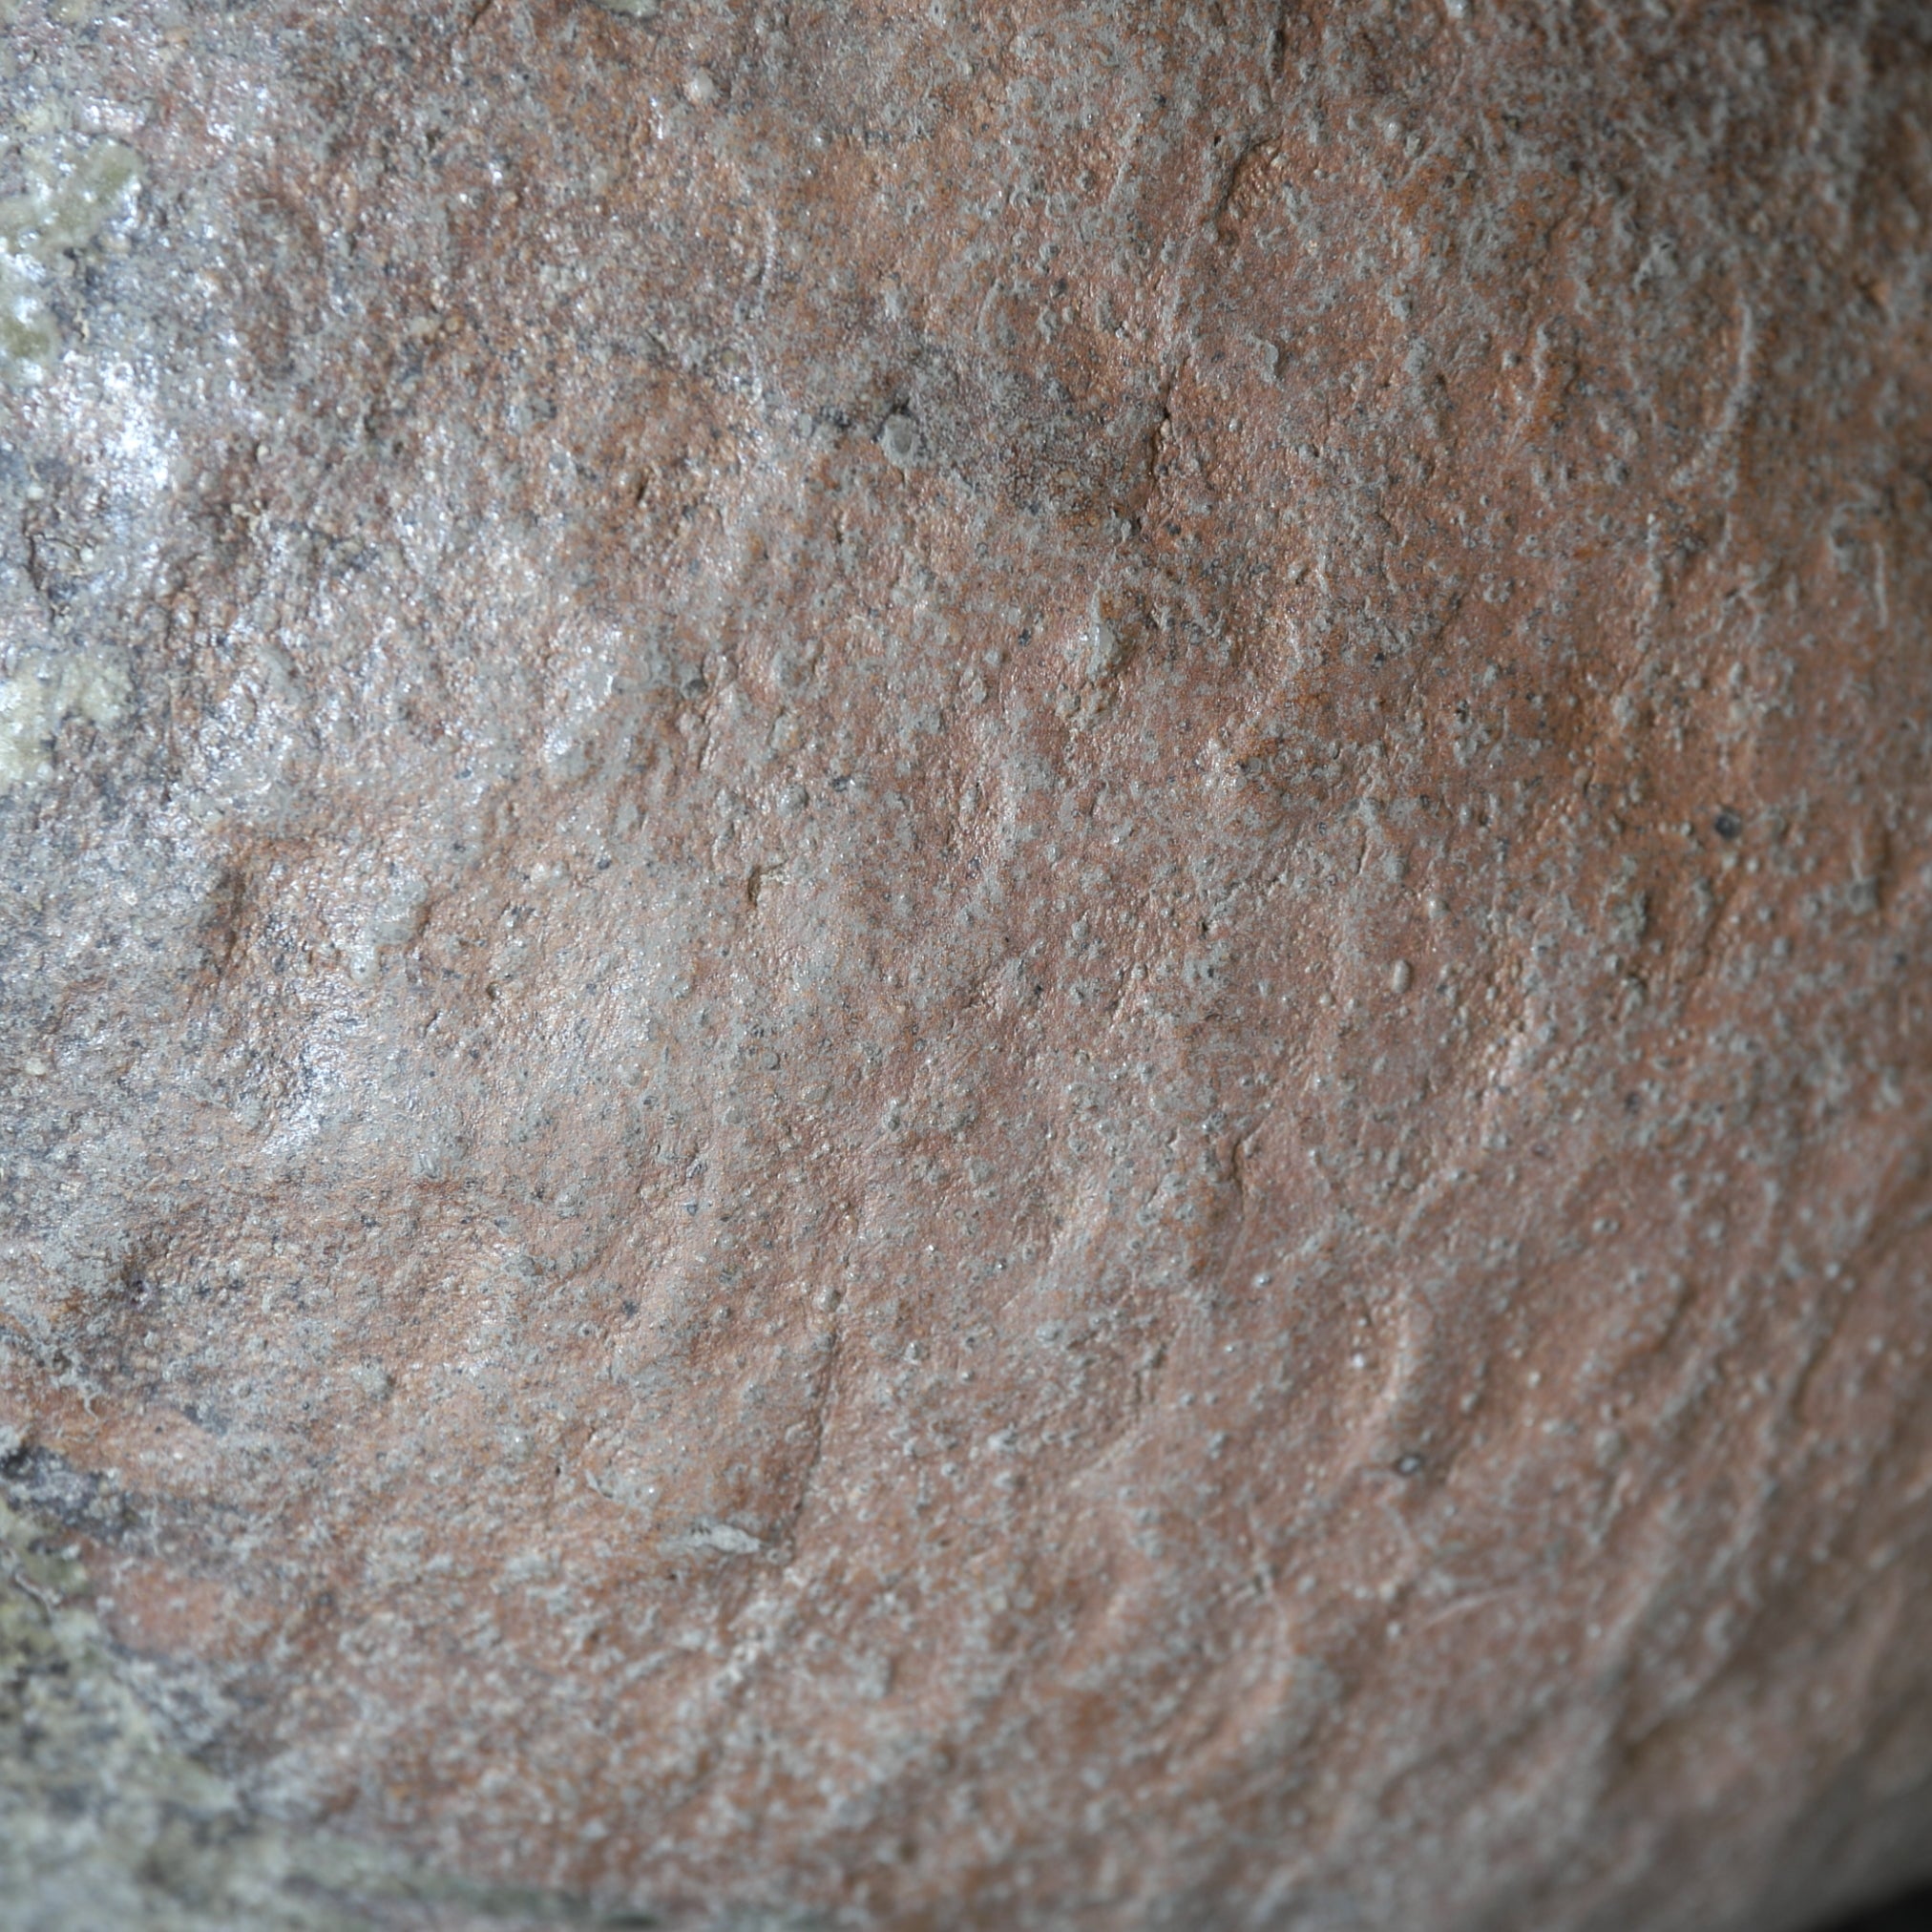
{"x":966,"y":965}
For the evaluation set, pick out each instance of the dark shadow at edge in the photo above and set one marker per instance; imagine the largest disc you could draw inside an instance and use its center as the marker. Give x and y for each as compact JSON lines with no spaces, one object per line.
{"x":1911,"y":1913}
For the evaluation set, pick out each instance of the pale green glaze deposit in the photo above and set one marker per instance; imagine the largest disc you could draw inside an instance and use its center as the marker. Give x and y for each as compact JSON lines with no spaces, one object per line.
{"x":63,"y":210}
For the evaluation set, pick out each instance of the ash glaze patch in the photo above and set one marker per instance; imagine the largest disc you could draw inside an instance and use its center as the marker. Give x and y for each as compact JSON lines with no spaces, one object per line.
{"x":71,"y":195}
{"x":41,"y":693}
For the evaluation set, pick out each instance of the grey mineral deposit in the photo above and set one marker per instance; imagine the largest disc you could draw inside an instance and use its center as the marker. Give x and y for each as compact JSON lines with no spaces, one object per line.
{"x":965,"y":964}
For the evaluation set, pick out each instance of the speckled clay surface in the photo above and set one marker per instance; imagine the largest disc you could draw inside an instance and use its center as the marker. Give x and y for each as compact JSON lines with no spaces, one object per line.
{"x":965,"y":967}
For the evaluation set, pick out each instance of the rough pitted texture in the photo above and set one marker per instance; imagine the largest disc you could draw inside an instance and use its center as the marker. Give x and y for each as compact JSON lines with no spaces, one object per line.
{"x":965,"y":965}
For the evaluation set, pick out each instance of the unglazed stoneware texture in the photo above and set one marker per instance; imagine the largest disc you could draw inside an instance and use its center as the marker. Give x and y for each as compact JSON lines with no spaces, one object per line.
{"x":965,"y":966}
